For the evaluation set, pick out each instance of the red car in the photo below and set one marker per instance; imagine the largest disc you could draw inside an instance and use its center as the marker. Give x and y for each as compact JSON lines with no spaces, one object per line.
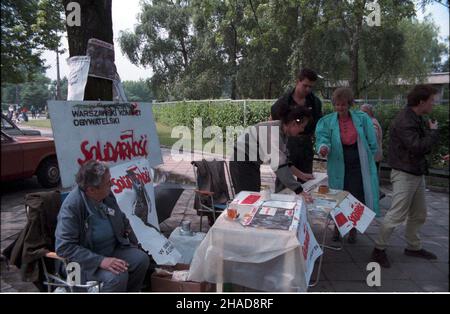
{"x":25,"y":156}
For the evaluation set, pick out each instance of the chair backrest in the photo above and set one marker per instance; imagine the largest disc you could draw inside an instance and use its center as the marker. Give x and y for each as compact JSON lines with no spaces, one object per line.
{"x":214,"y":176}
{"x":43,"y":209}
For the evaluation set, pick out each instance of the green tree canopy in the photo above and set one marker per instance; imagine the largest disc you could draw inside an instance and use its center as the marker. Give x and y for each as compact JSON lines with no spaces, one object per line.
{"x":253,"y":49}
{"x":137,"y":91}
{"x":28,"y":27}
{"x":34,"y":93}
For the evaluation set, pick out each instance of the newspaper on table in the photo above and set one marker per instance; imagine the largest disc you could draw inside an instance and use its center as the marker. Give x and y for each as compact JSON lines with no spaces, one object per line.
{"x":321,"y":206}
{"x":273,"y":217}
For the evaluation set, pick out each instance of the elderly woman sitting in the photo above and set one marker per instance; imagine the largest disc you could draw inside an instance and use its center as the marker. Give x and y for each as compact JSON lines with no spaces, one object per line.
{"x":348,"y":140}
{"x":94,"y":232}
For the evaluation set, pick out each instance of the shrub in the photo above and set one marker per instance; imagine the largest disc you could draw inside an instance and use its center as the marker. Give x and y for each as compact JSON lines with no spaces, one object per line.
{"x":231,"y":113}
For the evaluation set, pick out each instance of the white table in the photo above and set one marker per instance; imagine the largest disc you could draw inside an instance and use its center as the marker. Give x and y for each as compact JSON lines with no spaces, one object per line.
{"x":257,"y":258}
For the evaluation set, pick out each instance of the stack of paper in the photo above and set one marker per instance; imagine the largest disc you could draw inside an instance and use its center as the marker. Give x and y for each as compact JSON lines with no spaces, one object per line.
{"x":319,"y":179}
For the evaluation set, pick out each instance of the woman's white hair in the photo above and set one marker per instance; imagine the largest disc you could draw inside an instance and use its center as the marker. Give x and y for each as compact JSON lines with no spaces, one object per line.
{"x":369,"y":108}
{"x":91,"y":174}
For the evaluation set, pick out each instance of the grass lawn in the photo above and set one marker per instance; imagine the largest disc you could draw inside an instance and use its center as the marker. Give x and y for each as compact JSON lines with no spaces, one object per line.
{"x":164,"y":133}
{"x":38,"y":123}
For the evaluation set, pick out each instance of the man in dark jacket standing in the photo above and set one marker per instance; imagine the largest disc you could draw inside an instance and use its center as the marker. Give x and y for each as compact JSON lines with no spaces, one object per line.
{"x":300,"y":148}
{"x":411,"y":138}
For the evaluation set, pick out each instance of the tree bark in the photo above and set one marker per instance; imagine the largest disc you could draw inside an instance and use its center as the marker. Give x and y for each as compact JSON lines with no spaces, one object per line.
{"x":354,"y":56}
{"x":96,"y":22}
{"x":58,"y":78}
{"x":354,"y":48}
{"x":184,"y":52}
{"x":234,"y":64}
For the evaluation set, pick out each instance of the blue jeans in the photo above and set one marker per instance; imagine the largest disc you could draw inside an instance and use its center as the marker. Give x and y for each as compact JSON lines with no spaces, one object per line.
{"x":130,"y":281}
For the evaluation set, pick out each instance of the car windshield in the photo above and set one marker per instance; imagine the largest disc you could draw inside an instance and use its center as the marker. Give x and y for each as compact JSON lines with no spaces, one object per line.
{"x":6,"y":125}
{"x":5,"y":138}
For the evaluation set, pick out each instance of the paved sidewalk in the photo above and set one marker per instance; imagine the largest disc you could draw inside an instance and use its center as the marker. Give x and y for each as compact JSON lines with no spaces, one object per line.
{"x":342,"y":271}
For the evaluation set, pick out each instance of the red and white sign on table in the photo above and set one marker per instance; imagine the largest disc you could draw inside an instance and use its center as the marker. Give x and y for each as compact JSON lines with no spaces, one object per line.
{"x":351,"y":213}
{"x":310,"y":247}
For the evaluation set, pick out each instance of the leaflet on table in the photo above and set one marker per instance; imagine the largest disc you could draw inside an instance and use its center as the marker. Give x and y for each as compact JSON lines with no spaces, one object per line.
{"x":341,"y":221}
{"x":283,"y":197}
{"x":329,"y":193}
{"x":269,"y":211}
{"x":321,"y":207}
{"x":280,"y":204}
{"x":245,"y":201}
{"x":351,"y":213}
{"x":360,"y":215}
{"x":319,"y":178}
{"x":322,"y":204}
{"x":273,"y":218}
{"x":296,"y":218}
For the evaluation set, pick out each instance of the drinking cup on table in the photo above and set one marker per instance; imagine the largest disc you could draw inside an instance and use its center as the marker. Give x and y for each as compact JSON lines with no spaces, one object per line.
{"x":232,"y":213}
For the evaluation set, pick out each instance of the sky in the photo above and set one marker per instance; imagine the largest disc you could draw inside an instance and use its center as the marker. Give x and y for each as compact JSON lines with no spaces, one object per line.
{"x":124,"y":16}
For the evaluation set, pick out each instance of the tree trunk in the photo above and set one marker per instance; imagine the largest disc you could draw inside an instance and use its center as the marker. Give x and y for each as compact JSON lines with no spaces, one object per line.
{"x":269,"y":95}
{"x":58,"y":77}
{"x":17,"y":94}
{"x":354,"y":48}
{"x":184,"y":52}
{"x":354,"y":55}
{"x":96,"y":22}
{"x":234,"y":65}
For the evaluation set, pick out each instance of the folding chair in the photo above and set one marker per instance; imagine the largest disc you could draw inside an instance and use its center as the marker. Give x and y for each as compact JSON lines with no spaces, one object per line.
{"x":214,"y":188}
{"x":33,"y":250}
{"x":56,"y":278}
{"x":55,"y":275}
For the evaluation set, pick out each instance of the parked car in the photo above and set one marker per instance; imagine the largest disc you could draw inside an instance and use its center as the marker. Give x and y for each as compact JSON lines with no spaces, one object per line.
{"x":25,"y":156}
{"x":10,"y":128}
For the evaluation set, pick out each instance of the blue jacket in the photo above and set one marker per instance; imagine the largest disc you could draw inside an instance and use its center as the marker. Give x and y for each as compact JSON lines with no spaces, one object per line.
{"x":74,"y":236}
{"x":328,"y":134}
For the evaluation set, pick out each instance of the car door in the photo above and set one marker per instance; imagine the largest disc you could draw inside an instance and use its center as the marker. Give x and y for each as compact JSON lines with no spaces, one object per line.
{"x":12,"y":158}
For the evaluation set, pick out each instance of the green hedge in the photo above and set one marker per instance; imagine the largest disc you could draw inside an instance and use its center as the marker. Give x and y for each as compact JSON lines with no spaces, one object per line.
{"x":219,"y":113}
{"x":232,"y":113}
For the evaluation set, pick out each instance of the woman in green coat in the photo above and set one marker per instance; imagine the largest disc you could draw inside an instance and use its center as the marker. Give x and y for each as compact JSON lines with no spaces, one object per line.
{"x":349,"y":141}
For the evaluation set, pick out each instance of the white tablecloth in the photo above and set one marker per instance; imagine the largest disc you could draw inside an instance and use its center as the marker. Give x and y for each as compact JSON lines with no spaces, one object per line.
{"x":185,"y":244}
{"x":257,"y":258}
